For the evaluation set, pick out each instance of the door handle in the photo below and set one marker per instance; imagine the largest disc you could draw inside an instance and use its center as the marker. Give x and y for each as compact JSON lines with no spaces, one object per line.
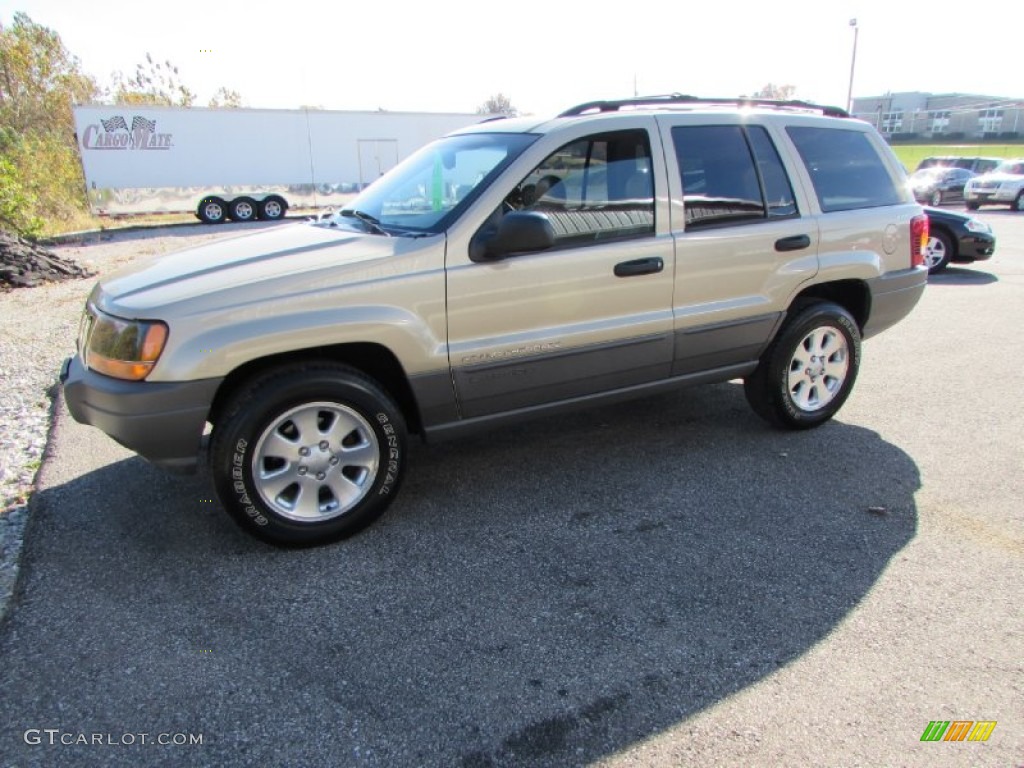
{"x":794,"y":243}
{"x":639,"y":267}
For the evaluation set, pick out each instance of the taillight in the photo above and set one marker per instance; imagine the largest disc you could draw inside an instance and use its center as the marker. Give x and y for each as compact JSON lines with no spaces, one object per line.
{"x":918,"y":240}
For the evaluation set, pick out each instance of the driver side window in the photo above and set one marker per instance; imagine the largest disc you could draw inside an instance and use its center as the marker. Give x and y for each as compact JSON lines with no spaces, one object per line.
{"x":597,"y":188}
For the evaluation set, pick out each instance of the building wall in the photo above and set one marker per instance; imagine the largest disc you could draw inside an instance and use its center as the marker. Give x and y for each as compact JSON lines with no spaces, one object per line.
{"x":954,"y":115}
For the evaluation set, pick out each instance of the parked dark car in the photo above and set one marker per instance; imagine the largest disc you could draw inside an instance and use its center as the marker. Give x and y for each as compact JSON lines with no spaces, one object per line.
{"x":937,"y":185}
{"x":955,"y":237}
{"x":975,"y":164}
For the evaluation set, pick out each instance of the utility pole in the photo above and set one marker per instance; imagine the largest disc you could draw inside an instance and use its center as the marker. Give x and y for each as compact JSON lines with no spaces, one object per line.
{"x":853,"y":63}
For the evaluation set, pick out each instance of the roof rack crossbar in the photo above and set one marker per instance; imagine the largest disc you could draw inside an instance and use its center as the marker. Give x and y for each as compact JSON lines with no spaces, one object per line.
{"x":679,"y":98}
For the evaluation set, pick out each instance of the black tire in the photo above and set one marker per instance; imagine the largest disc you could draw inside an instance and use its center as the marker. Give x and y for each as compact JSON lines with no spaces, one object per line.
{"x":938,"y":252}
{"x":1018,"y":203}
{"x":972,"y":206}
{"x":243,"y":209}
{"x":799,"y":401}
{"x":315,"y":428}
{"x":273,"y":208}
{"x":212,"y":210}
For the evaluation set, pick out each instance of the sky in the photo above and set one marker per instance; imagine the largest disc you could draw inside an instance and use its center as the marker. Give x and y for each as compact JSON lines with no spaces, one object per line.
{"x":450,"y":55}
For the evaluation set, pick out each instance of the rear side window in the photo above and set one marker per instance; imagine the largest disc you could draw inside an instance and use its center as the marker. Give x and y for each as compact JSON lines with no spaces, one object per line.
{"x":845,"y":168}
{"x":731,"y":175}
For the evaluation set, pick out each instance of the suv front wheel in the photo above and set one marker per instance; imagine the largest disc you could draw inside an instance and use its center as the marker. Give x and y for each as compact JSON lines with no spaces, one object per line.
{"x":807,"y":372}
{"x":308,"y":454}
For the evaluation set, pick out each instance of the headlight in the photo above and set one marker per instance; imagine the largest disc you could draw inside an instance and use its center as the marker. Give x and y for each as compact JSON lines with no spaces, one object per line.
{"x":974,"y":225}
{"x":124,"y":349}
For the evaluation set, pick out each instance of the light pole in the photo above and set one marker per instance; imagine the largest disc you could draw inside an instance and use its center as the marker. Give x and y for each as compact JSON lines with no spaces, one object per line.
{"x":853,"y":63}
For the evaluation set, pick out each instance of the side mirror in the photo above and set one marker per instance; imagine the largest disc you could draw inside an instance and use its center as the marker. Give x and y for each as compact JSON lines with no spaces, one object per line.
{"x":517,"y":232}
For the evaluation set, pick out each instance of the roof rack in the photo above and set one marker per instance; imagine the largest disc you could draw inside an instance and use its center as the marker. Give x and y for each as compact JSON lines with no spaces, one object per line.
{"x":679,"y":98}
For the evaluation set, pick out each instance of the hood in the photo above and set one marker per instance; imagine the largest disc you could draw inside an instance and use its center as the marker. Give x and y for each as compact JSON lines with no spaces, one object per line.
{"x":243,"y":269}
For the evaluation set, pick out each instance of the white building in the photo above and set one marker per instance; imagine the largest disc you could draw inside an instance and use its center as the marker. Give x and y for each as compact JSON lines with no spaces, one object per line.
{"x":945,"y":115}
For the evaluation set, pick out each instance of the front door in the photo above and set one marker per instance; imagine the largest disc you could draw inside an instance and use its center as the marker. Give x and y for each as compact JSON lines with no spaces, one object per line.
{"x":589,"y":315}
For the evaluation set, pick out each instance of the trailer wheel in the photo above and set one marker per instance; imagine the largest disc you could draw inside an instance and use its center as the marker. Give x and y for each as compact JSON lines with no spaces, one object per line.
{"x":212,"y":210}
{"x":273,"y":208}
{"x":242,"y":209}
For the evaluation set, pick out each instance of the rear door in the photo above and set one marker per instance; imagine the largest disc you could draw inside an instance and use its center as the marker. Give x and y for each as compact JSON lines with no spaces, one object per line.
{"x":744,"y":239}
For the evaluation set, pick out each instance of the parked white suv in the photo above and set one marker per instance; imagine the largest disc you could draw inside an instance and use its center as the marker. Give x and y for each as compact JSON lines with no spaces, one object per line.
{"x":1004,"y":185}
{"x":509,"y":270}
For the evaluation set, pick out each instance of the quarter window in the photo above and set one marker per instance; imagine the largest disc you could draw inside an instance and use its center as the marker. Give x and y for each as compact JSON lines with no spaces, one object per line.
{"x":845,"y":168}
{"x":731,"y":175}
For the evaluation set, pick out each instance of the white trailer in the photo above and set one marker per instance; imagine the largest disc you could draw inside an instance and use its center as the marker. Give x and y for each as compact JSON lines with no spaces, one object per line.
{"x":242,"y":164}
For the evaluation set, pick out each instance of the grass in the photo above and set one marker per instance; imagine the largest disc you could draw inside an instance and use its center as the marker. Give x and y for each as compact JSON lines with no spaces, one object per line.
{"x":912,"y":154}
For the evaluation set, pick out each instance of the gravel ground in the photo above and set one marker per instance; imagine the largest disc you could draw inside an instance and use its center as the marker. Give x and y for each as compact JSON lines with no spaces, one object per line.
{"x":37,"y":331}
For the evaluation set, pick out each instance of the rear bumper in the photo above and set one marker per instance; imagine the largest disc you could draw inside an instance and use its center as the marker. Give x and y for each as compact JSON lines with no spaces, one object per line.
{"x":893,"y":295}
{"x":161,"y":421}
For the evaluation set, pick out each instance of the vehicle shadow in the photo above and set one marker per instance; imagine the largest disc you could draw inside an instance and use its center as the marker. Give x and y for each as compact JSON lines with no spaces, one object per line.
{"x":961,"y":276}
{"x":545,"y":594}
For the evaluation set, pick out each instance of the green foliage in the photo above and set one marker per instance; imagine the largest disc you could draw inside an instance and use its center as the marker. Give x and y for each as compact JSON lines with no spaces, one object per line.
{"x":154,"y":82}
{"x":40,"y":176}
{"x":16,"y":204}
{"x":52,"y":174}
{"x":40,"y":80}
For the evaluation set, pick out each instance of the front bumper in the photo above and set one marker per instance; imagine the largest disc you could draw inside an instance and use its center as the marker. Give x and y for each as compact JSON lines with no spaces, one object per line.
{"x":975,"y":247}
{"x":893,"y":295}
{"x":161,"y":421}
{"x":994,"y":195}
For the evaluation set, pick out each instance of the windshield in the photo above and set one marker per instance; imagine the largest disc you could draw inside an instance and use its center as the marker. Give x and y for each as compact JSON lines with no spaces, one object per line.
{"x":428,"y":190}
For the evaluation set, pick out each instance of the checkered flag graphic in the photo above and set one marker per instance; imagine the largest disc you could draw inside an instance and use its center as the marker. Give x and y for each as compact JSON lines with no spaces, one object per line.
{"x":114,"y":123}
{"x":140,"y":122}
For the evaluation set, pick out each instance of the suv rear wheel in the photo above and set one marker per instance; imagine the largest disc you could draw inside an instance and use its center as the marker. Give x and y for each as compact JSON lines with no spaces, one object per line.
{"x":808,"y":371}
{"x":308,"y":454}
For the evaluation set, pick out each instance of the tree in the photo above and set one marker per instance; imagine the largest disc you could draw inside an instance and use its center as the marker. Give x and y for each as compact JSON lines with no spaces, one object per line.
{"x":775,"y":92}
{"x":154,"y":82}
{"x":225,"y":97}
{"x":39,"y":79}
{"x":40,"y":176}
{"x":499,"y":104}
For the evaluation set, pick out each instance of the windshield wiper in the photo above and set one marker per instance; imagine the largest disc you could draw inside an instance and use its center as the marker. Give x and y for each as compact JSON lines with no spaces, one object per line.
{"x":372,"y":223}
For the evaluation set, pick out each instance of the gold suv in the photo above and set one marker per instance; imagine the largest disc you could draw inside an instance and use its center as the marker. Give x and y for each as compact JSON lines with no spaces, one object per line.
{"x":508,"y":270}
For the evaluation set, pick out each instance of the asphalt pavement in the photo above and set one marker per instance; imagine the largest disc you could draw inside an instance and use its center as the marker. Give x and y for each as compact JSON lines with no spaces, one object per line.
{"x":665,"y":582}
